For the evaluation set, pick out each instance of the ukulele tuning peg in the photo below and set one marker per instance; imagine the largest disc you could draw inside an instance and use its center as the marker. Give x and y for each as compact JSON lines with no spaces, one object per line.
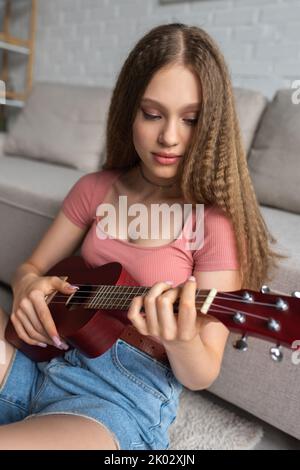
{"x":241,"y":344}
{"x":274,"y":325}
{"x":248,"y":297}
{"x":281,"y":304}
{"x":276,"y":353}
{"x":265,"y":289}
{"x":296,"y":293}
{"x":239,"y":318}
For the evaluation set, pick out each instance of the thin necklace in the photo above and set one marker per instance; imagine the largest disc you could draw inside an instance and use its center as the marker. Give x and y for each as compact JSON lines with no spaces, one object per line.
{"x":155,"y":184}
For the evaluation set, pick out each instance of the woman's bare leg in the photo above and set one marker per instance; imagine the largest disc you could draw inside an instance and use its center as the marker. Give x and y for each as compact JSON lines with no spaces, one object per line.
{"x":6,"y":349}
{"x":52,"y":432}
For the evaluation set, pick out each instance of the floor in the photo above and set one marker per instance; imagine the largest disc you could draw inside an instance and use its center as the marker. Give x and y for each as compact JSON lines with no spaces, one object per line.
{"x":273,"y":438}
{"x":276,"y":440}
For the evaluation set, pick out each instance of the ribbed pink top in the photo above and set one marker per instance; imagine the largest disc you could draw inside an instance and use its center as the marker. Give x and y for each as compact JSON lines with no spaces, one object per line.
{"x":148,"y":265}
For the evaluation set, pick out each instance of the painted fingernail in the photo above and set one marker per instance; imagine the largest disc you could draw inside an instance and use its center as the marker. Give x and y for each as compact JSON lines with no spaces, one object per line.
{"x":42,"y":345}
{"x":192,"y":278}
{"x":169,"y":282}
{"x":59,"y":344}
{"x":56,"y":341}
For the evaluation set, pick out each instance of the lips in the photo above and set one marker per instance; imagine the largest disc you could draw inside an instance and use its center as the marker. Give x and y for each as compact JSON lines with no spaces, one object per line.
{"x":167,"y":155}
{"x":165,"y":160}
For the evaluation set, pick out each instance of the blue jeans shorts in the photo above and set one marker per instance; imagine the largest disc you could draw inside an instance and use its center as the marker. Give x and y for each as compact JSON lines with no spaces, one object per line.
{"x":130,"y":393}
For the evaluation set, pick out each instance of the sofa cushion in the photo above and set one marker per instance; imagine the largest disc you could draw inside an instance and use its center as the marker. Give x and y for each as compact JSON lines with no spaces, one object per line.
{"x":285,"y":227}
{"x":250,"y":106}
{"x":31,"y":194}
{"x":62,"y":124}
{"x":37,"y":187}
{"x":274,"y":159}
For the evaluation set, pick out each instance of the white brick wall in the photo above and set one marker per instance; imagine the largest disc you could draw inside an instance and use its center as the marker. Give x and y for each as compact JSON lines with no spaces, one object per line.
{"x":86,"y":41}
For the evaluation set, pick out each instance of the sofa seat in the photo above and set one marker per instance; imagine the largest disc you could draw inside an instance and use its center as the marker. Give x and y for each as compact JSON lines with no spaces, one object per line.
{"x":33,"y":186}
{"x":31,"y":193}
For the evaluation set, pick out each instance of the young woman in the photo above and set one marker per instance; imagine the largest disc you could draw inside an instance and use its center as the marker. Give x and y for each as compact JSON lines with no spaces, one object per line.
{"x":172,"y":137}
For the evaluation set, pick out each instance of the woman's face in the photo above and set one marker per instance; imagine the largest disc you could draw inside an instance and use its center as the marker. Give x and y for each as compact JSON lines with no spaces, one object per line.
{"x":166,"y":119}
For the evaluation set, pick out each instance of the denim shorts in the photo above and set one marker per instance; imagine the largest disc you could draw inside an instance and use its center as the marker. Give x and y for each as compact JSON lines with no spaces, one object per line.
{"x":131,"y":394}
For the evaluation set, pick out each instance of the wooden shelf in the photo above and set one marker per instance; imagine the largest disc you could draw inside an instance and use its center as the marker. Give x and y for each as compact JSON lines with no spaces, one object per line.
{"x":15,"y":96}
{"x":14,"y":103}
{"x":10,"y":43}
{"x":14,"y":41}
{"x":12,"y":47}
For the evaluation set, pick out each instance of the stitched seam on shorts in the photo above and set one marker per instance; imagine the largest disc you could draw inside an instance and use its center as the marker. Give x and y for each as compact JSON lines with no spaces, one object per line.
{"x":56,"y":364}
{"x":38,"y":393}
{"x":6,"y":399}
{"x":153,"y":441}
{"x":137,"y":446}
{"x":164,"y":405}
{"x":134,"y":379}
{"x":112,"y":435}
{"x":166,"y":430}
{"x":44,"y":383}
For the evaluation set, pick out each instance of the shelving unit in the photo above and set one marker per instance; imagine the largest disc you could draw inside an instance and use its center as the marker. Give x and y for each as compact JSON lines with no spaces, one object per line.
{"x":12,"y":44}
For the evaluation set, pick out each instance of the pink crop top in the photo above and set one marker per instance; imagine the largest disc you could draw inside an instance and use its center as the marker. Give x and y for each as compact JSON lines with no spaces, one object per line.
{"x":148,"y":265}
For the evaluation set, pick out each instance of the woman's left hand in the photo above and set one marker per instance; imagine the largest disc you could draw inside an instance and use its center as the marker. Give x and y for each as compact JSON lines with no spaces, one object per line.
{"x":159,"y":319}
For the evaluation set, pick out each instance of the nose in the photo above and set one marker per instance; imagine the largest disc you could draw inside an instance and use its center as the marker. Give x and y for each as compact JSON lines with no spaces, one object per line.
{"x":169,"y":134}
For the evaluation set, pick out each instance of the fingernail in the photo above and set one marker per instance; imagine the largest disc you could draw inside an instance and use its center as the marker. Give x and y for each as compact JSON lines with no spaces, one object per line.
{"x":56,"y":341}
{"x":192,"y":278}
{"x":59,"y":344}
{"x":42,"y":345}
{"x":73,"y":287}
{"x":169,"y":282}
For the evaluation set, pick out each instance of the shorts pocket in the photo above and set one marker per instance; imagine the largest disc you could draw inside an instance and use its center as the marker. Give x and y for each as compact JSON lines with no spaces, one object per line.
{"x":149,"y":374}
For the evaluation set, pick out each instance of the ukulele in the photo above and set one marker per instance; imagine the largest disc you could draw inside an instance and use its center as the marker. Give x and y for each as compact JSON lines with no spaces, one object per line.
{"x":93,"y":318}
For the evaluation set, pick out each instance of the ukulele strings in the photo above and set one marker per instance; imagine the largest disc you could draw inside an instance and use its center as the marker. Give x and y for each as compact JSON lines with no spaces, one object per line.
{"x":120,"y":296}
{"x":222,"y":309}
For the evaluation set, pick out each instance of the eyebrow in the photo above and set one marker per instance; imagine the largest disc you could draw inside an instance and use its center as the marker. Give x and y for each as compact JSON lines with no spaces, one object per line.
{"x":188,"y":106}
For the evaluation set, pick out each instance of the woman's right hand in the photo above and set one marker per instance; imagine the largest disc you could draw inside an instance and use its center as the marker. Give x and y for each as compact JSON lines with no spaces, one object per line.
{"x":31,"y":316}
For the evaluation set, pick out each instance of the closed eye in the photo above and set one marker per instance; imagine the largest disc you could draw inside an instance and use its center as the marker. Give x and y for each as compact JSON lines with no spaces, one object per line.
{"x":152,"y":117}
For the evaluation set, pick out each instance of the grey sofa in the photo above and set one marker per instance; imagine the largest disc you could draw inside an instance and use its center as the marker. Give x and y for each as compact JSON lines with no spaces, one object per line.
{"x":59,"y":136}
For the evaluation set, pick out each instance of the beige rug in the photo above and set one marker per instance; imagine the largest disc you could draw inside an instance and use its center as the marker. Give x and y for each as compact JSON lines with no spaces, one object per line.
{"x":202,"y":424}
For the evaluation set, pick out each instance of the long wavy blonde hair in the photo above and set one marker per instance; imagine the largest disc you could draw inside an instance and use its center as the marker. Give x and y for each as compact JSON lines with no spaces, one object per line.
{"x":214,"y":170}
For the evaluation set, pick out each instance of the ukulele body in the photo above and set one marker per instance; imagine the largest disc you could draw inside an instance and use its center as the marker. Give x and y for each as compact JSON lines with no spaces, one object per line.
{"x":92,"y":331}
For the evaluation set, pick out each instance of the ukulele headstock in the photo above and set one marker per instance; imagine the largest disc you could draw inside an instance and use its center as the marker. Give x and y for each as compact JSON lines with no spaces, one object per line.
{"x":265,"y":314}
